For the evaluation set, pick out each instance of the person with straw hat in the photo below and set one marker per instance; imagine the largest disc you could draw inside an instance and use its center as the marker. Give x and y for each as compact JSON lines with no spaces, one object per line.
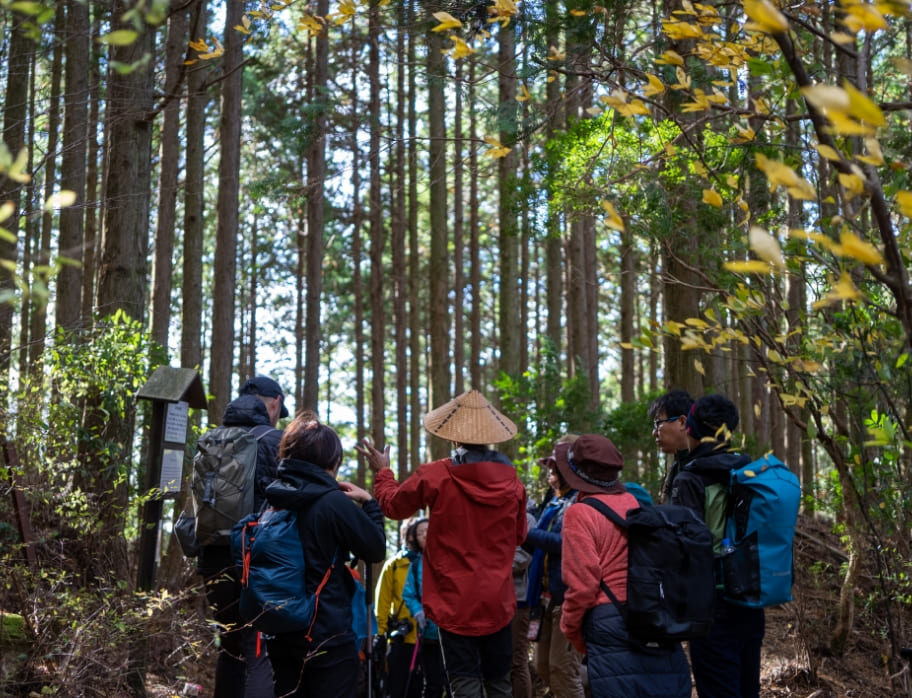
{"x":477,"y":509}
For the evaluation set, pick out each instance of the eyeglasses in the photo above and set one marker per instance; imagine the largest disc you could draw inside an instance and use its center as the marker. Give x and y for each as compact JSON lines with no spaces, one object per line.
{"x":656,"y":423}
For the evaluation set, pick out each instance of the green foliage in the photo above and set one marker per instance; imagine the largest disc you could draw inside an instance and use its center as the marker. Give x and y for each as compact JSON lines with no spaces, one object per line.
{"x":65,"y":452}
{"x":544,"y":406}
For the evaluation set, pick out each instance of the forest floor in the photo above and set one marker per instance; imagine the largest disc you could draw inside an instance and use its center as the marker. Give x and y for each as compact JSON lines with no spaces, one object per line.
{"x":796,"y":663}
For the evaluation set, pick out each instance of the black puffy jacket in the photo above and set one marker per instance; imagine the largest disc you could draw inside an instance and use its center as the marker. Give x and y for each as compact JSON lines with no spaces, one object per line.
{"x":331,"y":526}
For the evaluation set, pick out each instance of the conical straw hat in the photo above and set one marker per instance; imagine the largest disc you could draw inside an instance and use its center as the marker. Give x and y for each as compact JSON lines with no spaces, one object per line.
{"x":469,"y":419}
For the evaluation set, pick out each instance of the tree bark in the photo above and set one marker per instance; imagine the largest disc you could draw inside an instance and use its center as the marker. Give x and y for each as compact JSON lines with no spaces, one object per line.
{"x":439,"y":271}
{"x":221,"y":358}
{"x":316,"y":174}
{"x":15,"y":108}
{"x":191,"y":351}
{"x":73,"y":165}
{"x":169,"y":164}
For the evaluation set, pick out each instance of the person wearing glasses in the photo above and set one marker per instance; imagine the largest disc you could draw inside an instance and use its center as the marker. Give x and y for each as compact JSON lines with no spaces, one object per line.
{"x":669,"y":427}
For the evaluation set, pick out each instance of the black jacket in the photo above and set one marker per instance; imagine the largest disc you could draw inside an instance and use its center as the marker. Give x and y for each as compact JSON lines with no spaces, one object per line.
{"x":249,"y":411}
{"x":331,"y":527}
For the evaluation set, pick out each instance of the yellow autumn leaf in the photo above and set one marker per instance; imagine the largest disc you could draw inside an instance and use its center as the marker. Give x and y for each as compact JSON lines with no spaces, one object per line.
{"x":828,"y":152}
{"x":614,"y":220}
{"x":460,"y":48}
{"x":347,"y":10}
{"x":655,"y":86}
{"x":875,"y":154}
{"x":61,"y":199}
{"x":827,"y":98}
{"x":681,"y":30}
{"x":14,"y":169}
{"x":578,"y":13}
{"x":779,"y":174}
{"x":712,"y":198}
{"x":843,"y":290}
{"x":843,"y":125}
{"x":244,"y":26}
{"x":904,"y":202}
{"x":765,"y":17}
{"x":766,"y":247}
{"x":748,"y":266}
{"x":447,"y":22}
{"x":636,"y":106}
{"x":554,"y":54}
{"x":852,"y":184}
{"x":670,"y":58}
{"x":214,"y":53}
{"x":6,"y":210}
{"x":856,"y":248}
{"x":673,"y":328}
{"x":199,"y":46}
{"x":698,"y":366}
{"x":311,"y":24}
{"x":863,"y":107}
{"x":745,"y":134}
{"x":501,"y":11}
{"x":496,"y":150}
{"x":861,"y":16}
{"x":523,"y":95}
{"x":842,"y":38}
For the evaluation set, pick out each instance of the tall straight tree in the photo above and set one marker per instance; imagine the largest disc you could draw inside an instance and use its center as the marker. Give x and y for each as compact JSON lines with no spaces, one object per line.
{"x":398,"y":225}
{"x":169,"y":164}
{"x":439,"y":272}
{"x":15,"y":107}
{"x":375,"y":224}
{"x":38,"y":311}
{"x":510,"y":331}
{"x":221,"y":360}
{"x":123,"y":269}
{"x":554,"y":247}
{"x":91,"y":237}
{"x":416,"y":333}
{"x":191,"y":352}
{"x":73,"y":165}
{"x":316,"y":174}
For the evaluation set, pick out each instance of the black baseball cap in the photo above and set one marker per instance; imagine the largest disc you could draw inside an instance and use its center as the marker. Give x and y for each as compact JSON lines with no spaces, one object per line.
{"x":265,"y":386}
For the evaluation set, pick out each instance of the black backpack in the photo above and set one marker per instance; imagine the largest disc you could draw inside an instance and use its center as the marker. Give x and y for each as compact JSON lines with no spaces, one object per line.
{"x":670,"y":583}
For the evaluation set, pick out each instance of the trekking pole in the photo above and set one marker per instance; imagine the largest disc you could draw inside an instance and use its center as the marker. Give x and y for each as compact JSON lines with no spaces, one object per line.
{"x":411,"y":673}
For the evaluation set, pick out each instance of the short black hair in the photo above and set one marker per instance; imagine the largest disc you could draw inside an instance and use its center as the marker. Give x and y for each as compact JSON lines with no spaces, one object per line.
{"x":713,"y":411}
{"x":676,"y":403}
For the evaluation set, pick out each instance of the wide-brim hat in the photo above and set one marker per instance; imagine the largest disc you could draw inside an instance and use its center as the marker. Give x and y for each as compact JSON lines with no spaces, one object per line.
{"x":469,"y":419}
{"x":591,"y":464}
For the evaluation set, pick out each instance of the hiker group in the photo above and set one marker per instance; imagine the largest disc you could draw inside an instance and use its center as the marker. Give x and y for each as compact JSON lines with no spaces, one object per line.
{"x":598,"y":583}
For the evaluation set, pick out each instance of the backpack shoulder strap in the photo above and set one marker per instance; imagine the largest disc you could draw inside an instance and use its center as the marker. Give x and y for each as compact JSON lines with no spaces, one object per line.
{"x":599,"y":505}
{"x":260,"y":430}
{"x":616,"y":519}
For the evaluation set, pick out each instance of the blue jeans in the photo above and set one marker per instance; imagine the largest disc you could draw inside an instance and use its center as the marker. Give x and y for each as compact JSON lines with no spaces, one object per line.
{"x":726,"y":663}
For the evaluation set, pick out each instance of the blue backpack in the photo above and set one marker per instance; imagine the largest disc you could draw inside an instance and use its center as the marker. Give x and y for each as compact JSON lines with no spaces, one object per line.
{"x":644,"y":499}
{"x":267,"y":548}
{"x":759,"y":531}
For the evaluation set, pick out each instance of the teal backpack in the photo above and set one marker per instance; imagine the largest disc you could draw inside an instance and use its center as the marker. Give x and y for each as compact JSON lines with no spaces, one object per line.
{"x":759,"y":531}
{"x":267,"y":548}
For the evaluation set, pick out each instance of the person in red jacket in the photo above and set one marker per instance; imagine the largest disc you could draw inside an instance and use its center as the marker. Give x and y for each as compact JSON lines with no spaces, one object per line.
{"x":594,"y":553}
{"x":477,"y":509}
